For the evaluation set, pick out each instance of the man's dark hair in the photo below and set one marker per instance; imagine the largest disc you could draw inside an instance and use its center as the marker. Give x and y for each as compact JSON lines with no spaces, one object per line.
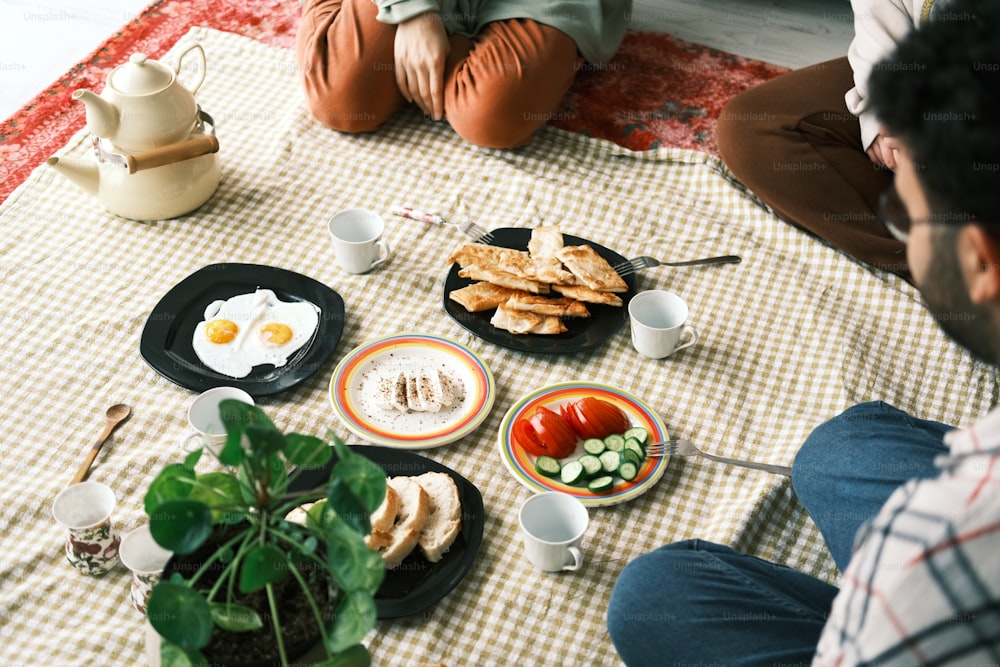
{"x":939,"y":93}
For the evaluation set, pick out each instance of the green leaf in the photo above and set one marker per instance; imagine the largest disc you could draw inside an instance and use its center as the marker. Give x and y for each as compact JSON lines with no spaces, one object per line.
{"x":317,"y":515}
{"x":191,"y":460}
{"x":173,"y":656}
{"x":235,"y":617}
{"x":365,"y":479}
{"x":348,"y":506}
{"x":279,"y":475}
{"x":352,"y":564}
{"x":232,"y":453}
{"x":221,"y":492}
{"x":173,"y":483}
{"x":354,"y":617}
{"x":226,"y":555}
{"x":180,"y":615}
{"x":306,"y":450}
{"x":242,"y":419}
{"x":263,"y":565}
{"x":264,"y":440}
{"x":181,"y":525}
{"x":343,"y":451}
{"x":353,"y":656}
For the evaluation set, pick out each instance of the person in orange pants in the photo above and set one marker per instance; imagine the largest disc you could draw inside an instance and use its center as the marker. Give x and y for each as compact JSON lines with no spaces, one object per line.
{"x":496,"y":74}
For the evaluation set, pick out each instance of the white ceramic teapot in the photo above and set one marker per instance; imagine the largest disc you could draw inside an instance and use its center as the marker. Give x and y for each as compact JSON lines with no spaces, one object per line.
{"x":155,"y":147}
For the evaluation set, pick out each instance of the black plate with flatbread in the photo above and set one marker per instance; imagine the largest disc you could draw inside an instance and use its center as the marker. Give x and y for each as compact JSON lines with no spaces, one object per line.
{"x":417,"y":583}
{"x":583,"y":333}
{"x":166,"y":338}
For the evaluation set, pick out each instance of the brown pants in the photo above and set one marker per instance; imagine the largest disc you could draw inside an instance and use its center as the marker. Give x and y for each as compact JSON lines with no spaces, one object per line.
{"x":500,"y":87}
{"x":793,"y":142}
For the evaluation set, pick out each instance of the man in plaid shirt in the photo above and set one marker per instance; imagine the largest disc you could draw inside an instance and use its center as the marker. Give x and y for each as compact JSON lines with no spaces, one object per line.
{"x":910,"y":509}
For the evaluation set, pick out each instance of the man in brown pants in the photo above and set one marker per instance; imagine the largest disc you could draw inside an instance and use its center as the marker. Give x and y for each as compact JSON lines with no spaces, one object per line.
{"x":806,"y":144}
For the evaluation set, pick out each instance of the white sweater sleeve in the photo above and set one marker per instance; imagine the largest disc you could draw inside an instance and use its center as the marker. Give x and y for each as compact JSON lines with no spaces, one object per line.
{"x":878,"y":26}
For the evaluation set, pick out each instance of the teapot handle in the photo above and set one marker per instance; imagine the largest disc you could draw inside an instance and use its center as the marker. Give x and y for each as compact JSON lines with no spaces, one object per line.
{"x":201,"y":70}
{"x":163,"y":155}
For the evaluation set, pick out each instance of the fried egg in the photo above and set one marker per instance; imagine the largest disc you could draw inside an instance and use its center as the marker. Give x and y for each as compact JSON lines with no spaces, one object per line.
{"x":251,"y":329}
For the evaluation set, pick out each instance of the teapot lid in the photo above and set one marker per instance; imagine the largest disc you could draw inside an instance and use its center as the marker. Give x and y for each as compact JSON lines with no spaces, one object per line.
{"x":140,"y":76}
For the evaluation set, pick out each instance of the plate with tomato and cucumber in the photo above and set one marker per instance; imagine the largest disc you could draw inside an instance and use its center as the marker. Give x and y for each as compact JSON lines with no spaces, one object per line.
{"x":584,"y":439}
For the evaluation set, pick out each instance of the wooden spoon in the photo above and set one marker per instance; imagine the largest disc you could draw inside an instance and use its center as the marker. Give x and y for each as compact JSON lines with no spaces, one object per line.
{"x":115,"y":415}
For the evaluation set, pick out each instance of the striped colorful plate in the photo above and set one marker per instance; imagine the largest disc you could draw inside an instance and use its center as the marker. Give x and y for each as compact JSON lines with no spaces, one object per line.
{"x":522,"y":464}
{"x":353,"y":390}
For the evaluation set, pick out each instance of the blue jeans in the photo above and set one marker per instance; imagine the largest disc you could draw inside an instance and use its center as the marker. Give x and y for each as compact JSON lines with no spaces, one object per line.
{"x":695,"y":602}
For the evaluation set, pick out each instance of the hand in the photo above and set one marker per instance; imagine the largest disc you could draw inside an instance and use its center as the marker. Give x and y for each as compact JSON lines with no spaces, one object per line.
{"x":420,"y":51}
{"x":883,"y":151}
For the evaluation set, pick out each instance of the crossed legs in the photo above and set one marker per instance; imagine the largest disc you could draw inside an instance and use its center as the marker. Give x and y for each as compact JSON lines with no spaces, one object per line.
{"x":699,"y":603}
{"x":793,"y":142}
{"x":500,"y":86}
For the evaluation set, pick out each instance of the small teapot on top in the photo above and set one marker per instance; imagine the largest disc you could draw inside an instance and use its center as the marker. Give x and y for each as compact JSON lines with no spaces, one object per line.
{"x":155,"y":147}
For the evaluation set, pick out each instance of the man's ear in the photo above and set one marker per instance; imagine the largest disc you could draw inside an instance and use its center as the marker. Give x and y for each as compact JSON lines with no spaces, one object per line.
{"x":980,"y":258}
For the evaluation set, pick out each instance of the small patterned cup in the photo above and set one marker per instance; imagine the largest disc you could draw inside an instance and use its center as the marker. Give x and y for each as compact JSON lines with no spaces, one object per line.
{"x":146,"y":559}
{"x":85,"y":511}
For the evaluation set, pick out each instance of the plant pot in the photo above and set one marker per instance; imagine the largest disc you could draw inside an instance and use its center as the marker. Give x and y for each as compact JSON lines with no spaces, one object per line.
{"x":314,"y":656}
{"x":258,"y":648}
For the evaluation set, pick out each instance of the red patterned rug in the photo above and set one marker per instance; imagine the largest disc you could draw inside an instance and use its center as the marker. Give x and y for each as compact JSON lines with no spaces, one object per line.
{"x":658,"y":91}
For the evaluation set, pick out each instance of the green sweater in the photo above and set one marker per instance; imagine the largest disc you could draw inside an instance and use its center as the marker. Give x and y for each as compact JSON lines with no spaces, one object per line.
{"x":597,"y":26}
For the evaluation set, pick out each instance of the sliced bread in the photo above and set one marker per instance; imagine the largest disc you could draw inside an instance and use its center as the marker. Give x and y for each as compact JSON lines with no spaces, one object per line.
{"x":411,"y":517}
{"x":382,"y":520}
{"x":444,"y":521}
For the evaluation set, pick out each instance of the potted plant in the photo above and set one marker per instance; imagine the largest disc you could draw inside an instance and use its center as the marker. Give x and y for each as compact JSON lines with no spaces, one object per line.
{"x":241,"y":572}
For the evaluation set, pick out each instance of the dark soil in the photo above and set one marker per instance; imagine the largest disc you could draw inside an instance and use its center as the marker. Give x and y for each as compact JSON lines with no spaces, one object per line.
{"x":259,"y":647}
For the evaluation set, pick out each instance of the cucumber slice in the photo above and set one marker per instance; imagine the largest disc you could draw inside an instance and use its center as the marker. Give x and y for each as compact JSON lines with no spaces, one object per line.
{"x":633,"y":445}
{"x":548,"y":466}
{"x":615,"y":442}
{"x":593,"y":446}
{"x":637,"y":432}
{"x":610,"y":460}
{"x":628,"y":470}
{"x":572,"y":472}
{"x":630,"y":455}
{"x":601,"y":484}
{"x":591,"y":464}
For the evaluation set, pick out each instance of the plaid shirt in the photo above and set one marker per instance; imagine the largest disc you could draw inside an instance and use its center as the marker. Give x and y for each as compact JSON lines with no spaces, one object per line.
{"x":923,"y":587}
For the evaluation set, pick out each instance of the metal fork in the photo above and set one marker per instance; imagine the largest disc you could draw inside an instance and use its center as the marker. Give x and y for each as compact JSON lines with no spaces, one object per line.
{"x":683,"y":447}
{"x":646,"y":262}
{"x":468,"y":227}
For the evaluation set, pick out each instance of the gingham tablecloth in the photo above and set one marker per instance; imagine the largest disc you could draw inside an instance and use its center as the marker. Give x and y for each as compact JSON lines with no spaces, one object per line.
{"x":789,"y":338}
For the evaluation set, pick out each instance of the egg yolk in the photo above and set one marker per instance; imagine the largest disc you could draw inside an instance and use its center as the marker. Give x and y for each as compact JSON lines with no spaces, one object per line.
{"x":275,"y":333}
{"x":221,"y":331}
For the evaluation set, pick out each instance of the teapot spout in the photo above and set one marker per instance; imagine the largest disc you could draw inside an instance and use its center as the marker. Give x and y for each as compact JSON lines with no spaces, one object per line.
{"x":84,"y":174}
{"x":102,"y":115}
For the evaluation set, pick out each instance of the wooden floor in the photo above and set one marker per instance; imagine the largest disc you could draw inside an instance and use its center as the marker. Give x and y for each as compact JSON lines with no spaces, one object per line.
{"x":43,"y":38}
{"x":792,"y":33}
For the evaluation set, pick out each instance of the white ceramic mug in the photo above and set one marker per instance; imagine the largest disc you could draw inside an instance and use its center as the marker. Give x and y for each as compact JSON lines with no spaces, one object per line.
{"x":658,"y":322}
{"x":357,"y":240}
{"x":205,"y":420}
{"x":146,"y":559}
{"x":552,"y":526}
{"x":84,"y":510}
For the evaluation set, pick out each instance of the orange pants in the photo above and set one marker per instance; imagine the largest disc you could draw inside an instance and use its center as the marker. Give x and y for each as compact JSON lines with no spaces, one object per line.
{"x":500,"y":87}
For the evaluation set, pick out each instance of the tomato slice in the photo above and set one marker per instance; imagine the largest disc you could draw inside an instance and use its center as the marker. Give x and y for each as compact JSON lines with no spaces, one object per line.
{"x":594,"y":417}
{"x":525,"y":437}
{"x":553,"y":433}
{"x":545,"y":432}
